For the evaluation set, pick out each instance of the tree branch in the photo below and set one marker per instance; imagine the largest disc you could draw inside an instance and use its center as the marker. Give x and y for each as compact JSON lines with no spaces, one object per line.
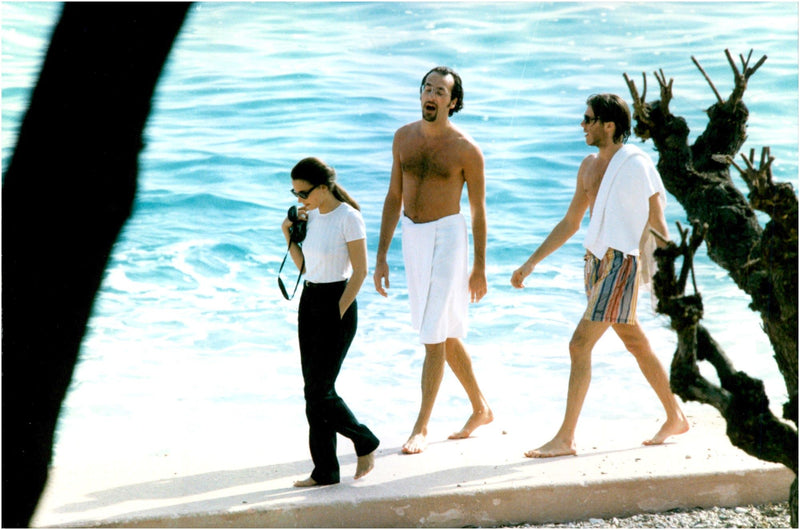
{"x":740,"y":399}
{"x":641,"y":110}
{"x":742,"y":78}
{"x":666,"y":91}
{"x":761,"y":261}
{"x":708,"y":79}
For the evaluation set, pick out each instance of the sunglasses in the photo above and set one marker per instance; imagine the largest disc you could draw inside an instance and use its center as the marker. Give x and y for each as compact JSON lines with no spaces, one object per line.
{"x":305,"y":193}
{"x":587,"y":119}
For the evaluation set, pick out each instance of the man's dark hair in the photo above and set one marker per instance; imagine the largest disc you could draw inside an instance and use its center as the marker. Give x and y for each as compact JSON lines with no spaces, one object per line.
{"x":458,"y":90}
{"x":612,"y":108}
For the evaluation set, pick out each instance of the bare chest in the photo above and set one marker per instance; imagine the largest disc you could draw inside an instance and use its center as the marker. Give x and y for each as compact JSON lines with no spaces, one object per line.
{"x":592,"y":179}
{"x":433,"y":178}
{"x":424,"y":161}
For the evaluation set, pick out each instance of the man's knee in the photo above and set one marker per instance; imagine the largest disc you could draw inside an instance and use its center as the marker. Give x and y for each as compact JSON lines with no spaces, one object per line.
{"x":435,"y":350}
{"x":584,"y":338}
{"x":638,"y":347}
{"x":454,"y":348}
{"x":452,"y":343}
{"x":634,"y":339}
{"x":581,"y":340}
{"x":579,"y":348}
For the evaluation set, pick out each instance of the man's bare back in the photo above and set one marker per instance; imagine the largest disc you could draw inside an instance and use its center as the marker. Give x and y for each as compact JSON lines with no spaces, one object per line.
{"x":433,"y":170}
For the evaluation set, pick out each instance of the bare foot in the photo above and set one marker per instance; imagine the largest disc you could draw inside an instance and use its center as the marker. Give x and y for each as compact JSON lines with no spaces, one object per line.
{"x":482,"y":417}
{"x":305,"y":483}
{"x":670,"y":428}
{"x":551,"y":449}
{"x":415,"y":445}
{"x":365,"y":465}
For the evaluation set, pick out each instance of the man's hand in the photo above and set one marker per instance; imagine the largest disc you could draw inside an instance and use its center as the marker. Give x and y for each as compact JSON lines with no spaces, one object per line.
{"x":477,"y":285}
{"x":381,"y":277}
{"x":520,"y":274}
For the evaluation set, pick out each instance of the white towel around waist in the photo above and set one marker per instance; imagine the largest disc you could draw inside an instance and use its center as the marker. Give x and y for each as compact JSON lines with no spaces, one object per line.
{"x":436,"y":264}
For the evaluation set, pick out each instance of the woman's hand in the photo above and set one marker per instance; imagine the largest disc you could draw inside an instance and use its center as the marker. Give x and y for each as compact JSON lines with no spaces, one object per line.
{"x":285,"y":227}
{"x":357,"y":250}
{"x":302,"y":215}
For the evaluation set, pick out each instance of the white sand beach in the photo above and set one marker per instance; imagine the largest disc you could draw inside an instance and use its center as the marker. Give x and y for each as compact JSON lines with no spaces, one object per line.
{"x":481,"y":481}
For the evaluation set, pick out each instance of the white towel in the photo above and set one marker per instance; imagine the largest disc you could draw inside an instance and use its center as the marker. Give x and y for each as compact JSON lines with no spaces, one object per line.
{"x":622,"y":207}
{"x":436,"y":262}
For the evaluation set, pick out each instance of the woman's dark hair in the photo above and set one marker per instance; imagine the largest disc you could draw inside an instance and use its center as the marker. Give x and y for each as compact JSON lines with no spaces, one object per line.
{"x":458,"y":90}
{"x":318,"y":173}
{"x":612,"y":108}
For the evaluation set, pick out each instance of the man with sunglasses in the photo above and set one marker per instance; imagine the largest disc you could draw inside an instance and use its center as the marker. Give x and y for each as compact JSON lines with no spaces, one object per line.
{"x":624,"y":194}
{"x":432,"y":160}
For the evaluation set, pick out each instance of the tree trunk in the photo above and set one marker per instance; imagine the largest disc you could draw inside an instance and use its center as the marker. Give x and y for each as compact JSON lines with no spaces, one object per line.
{"x":66,"y":195}
{"x":761,"y":261}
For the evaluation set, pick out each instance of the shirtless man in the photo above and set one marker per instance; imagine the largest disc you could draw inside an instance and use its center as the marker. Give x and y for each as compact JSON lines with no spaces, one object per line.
{"x":432,"y":159}
{"x":630,"y":199}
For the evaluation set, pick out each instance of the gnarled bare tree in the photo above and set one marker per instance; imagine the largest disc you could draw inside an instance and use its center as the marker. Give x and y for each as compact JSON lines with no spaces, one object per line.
{"x":761,"y":261}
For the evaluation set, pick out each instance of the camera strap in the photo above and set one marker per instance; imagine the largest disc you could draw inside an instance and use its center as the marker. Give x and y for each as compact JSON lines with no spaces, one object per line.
{"x":280,"y":281}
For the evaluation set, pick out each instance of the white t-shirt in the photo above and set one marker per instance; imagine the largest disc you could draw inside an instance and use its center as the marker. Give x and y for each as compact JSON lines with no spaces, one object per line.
{"x":325,"y":246}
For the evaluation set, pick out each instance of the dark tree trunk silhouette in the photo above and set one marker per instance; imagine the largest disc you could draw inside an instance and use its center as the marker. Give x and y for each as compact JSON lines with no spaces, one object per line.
{"x":761,"y":261}
{"x":66,"y":194}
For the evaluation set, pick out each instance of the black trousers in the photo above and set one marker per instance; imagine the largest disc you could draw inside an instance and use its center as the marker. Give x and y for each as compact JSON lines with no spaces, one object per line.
{"x":324,"y":341}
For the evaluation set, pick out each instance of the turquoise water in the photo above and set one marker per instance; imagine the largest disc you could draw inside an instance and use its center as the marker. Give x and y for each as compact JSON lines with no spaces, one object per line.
{"x":191,"y":342}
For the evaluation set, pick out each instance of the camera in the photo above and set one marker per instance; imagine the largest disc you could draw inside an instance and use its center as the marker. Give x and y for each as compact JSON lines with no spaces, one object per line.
{"x":297,"y":231}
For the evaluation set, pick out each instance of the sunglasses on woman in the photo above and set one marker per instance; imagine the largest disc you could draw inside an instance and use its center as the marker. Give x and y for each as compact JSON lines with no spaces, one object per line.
{"x":305,"y":193}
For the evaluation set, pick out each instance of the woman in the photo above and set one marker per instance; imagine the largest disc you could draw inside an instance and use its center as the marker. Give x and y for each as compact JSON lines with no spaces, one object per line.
{"x":335,"y":244}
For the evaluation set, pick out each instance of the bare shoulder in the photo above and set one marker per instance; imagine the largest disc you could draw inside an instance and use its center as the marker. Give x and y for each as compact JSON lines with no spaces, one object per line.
{"x":587,"y":164}
{"x":467,"y":146}
{"x":462,"y":137}
{"x":589,"y":160}
{"x":403,"y":133}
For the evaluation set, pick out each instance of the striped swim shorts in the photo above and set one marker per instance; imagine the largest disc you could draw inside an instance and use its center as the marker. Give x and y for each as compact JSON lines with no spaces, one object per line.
{"x":612,"y":287}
